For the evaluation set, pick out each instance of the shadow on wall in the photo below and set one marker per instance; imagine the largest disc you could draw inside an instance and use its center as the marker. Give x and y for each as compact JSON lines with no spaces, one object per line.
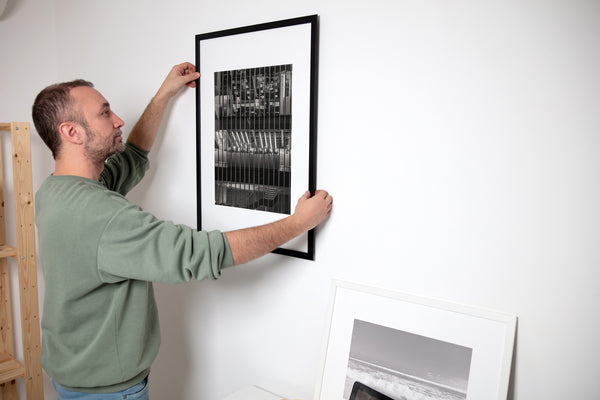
{"x":182,"y":309}
{"x":172,"y":368}
{"x":7,"y":8}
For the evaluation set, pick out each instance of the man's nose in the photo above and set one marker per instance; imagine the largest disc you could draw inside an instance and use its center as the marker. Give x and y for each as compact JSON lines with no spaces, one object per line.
{"x":117,"y":122}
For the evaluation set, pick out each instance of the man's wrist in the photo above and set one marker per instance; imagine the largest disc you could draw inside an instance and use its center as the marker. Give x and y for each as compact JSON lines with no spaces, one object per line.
{"x":160,"y":99}
{"x":296,"y":226}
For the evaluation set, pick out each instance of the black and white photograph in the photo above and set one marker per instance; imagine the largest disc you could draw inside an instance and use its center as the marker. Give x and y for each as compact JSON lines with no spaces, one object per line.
{"x":253,"y":121}
{"x":405,"y":366}
{"x":388,"y":345}
{"x":256,"y":126}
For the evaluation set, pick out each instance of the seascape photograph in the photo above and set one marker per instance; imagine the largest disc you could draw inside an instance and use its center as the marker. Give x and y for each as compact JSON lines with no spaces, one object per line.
{"x":406,"y":366}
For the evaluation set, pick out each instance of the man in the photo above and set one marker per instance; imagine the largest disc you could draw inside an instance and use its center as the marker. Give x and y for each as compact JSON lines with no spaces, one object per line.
{"x":100,"y":253}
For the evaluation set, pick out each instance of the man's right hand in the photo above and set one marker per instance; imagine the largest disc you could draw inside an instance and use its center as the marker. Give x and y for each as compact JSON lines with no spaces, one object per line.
{"x":250,"y":243}
{"x":311,"y":211}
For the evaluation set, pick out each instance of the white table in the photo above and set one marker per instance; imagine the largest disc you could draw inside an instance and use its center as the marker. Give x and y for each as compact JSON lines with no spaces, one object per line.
{"x":253,"y":393}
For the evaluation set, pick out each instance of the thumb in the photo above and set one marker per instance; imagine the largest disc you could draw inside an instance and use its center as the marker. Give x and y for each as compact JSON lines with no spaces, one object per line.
{"x":189,"y":78}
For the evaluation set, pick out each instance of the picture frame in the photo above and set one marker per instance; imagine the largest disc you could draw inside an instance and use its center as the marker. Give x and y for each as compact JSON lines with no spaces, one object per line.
{"x":360,"y":391}
{"x":256,"y":125}
{"x":405,"y":346}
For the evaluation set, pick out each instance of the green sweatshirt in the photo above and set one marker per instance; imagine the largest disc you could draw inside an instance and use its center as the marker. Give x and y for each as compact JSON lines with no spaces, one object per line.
{"x":100,"y":253}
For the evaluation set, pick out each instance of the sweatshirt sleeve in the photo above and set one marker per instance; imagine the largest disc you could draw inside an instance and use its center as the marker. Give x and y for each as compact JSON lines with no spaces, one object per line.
{"x":137,"y":245}
{"x":124,"y":170}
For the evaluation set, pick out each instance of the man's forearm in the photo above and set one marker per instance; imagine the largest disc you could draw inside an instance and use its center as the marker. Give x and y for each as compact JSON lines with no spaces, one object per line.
{"x":250,"y":243}
{"x":144,"y":132}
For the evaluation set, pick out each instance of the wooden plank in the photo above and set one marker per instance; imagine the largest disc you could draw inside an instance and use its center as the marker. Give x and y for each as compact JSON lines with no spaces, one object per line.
{"x":8,"y":251}
{"x":4,"y":126}
{"x":10,"y":369}
{"x":2,"y":221}
{"x":8,"y":391}
{"x":6,"y":327}
{"x":30,"y":324}
{"x":6,"y":324}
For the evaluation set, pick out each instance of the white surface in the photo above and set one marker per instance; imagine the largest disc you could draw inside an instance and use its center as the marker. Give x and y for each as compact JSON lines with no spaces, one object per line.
{"x":253,"y":393}
{"x":483,"y":189}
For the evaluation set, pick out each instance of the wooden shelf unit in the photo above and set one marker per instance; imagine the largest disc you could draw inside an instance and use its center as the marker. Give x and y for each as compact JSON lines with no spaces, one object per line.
{"x":30,"y":368}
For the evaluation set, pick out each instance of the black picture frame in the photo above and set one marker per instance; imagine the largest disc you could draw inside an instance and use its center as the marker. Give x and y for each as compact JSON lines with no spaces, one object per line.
{"x":361,"y":391}
{"x":274,"y":98}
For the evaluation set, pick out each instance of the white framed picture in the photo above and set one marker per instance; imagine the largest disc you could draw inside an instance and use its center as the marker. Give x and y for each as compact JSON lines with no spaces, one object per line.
{"x":383,"y":344}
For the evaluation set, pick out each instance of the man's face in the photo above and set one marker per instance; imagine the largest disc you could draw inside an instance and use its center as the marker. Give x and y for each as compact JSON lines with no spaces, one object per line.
{"x":103,"y":136}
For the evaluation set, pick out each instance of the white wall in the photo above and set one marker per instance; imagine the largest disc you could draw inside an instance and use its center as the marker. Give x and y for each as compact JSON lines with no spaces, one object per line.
{"x":459,"y":139}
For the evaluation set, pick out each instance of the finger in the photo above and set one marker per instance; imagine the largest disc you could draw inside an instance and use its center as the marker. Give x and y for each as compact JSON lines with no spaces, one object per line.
{"x":189,"y":66}
{"x":185,"y":68}
{"x":322,"y":193}
{"x":306,"y":195}
{"x":192,"y":78}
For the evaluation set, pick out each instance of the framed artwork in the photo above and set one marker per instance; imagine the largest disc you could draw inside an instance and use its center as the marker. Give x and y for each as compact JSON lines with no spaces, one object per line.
{"x":256,"y":110}
{"x":382,"y":344}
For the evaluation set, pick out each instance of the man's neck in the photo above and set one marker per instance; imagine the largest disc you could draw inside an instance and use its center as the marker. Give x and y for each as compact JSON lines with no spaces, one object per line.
{"x":85,"y":169}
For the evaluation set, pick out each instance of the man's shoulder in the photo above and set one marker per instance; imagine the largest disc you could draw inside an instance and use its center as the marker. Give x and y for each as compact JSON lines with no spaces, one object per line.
{"x":74,"y":191}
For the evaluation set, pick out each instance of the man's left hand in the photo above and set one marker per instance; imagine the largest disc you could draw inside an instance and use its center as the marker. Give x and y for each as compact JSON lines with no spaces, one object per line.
{"x":179,"y":76}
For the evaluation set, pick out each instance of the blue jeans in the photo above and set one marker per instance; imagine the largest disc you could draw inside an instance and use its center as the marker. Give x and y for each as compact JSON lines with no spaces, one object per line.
{"x":136,"y":392}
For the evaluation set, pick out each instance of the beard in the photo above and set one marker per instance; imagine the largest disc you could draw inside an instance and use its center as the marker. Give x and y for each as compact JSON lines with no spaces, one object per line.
{"x":100,"y":151}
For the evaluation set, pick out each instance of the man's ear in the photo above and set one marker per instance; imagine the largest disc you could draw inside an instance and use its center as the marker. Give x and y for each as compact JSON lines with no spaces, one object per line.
{"x":71,"y":131}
